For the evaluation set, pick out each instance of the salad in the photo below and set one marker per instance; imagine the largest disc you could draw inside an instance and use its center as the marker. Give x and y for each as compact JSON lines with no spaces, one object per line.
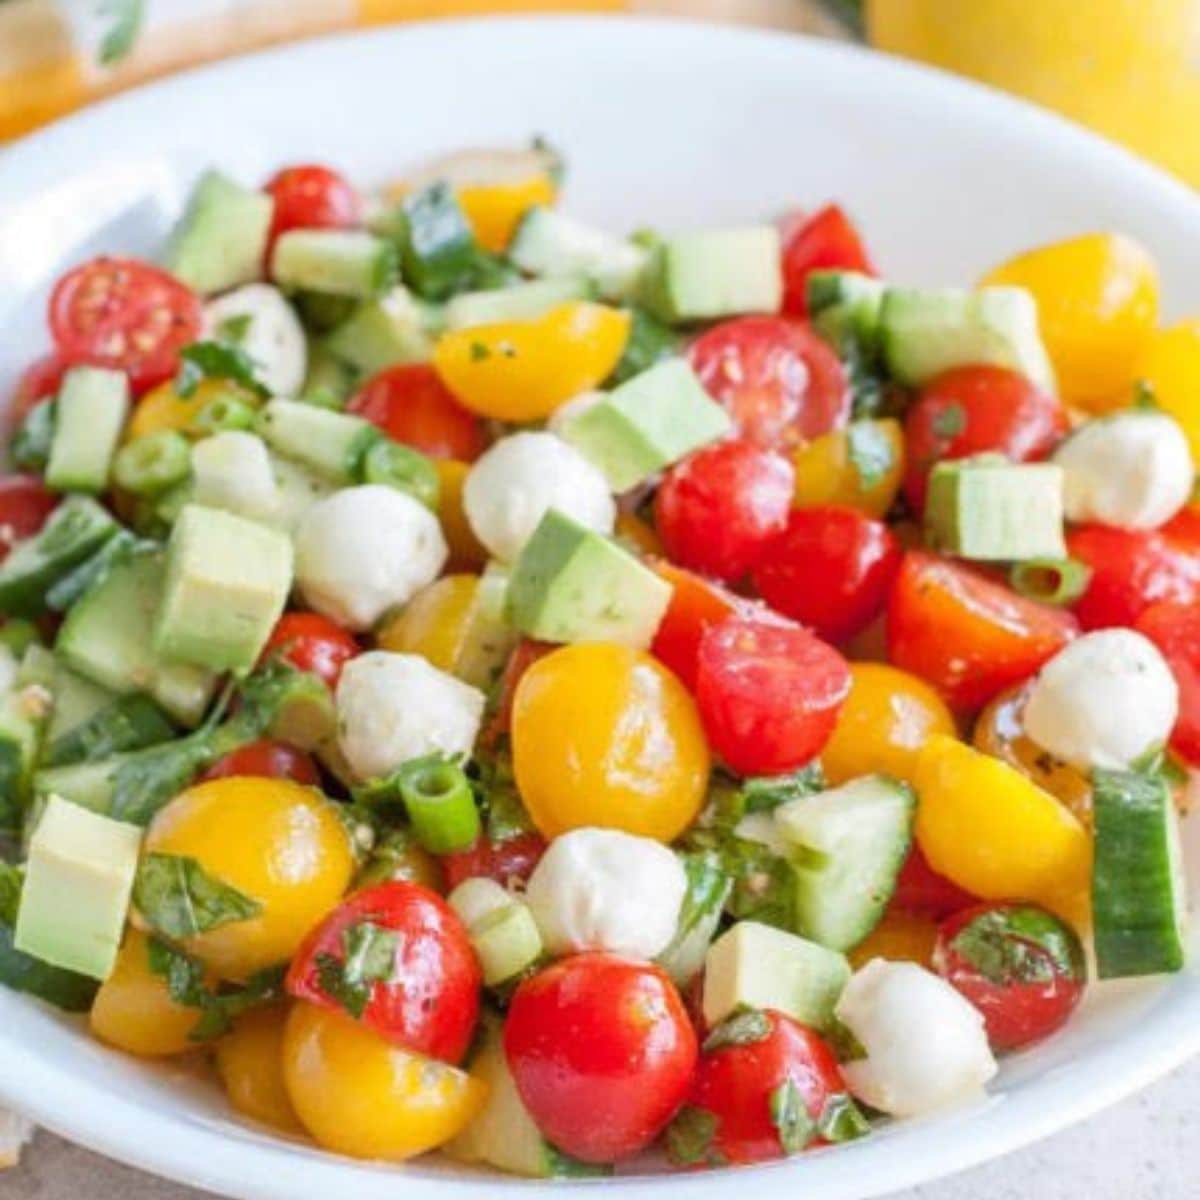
{"x":484,"y":682}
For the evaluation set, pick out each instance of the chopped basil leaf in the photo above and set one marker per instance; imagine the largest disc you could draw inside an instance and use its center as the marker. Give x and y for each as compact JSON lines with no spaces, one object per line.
{"x":767,"y":792}
{"x":234,"y":329}
{"x":845,"y":1045}
{"x":30,"y":447}
{"x":183,"y":973}
{"x":870,"y":453}
{"x":370,"y":958}
{"x":742,"y":1029}
{"x":127,"y":17}
{"x":479,"y":352}
{"x":178,"y":898}
{"x":216,"y":360}
{"x":563,"y":1166}
{"x":11,"y":882}
{"x":841,"y":1120}
{"x":789,"y":1115}
{"x":1144,"y":396}
{"x":691,"y":1139}
{"x":1019,"y":944}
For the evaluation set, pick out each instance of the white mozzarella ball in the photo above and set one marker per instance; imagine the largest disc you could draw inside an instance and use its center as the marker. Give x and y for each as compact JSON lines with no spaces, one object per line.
{"x":1132,"y":470}
{"x":392,"y":708}
{"x":510,"y":489}
{"x":272,"y":336}
{"x":926,"y":1045}
{"x":365,"y":550}
{"x":1104,"y":700}
{"x":232,"y":471}
{"x":600,"y":889}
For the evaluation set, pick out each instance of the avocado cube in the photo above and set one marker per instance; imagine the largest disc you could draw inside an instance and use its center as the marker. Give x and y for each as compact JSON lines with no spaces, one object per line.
{"x":759,"y":966}
{"x":993,"y":510}
{"x":77,"y":885}
{"x":570,"y":584}
{"x":227,"y":582}
{"x":653,"y":420}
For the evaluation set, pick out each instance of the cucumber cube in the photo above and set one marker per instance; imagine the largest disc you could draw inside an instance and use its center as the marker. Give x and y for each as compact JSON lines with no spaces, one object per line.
{"x":90,"y":413}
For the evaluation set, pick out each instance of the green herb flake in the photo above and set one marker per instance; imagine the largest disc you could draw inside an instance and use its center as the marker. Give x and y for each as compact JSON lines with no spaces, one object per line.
{"x":10,"y":893}
{"x":179,"y":899}
{"x":789,"y":1115}
{"x":767,"y":792}
{"x":950,"y":422}
{"x":742,"y":1029}
{"x":841,"y":1120}
{"x":127,"y":17}
{"x":1019,"y":945}
{"x":234,"y":329}
{"x":369,"y":958}
{"x":691,"y":1139}
{"x":1145,"y":399}
{"x":479,"y":352}
{"x":870,"y":453}
{"x":217,"y":360}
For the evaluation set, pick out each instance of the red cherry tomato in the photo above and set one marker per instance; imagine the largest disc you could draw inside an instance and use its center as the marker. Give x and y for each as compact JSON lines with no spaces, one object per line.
{"x":696,"y":604}
{"x":397,"y":958}
{"x":602,"y":1053}
{"x":831,"y":569}
{"x":125,"y":315}
{"x":1019,"y":965}
{"x":768,"y":694}
{"x":1133,"y":569}
{"x":1175,"y":630}
{"x":777,"y":379}
{"x":976,"y":410}
{"x":921,"y":890}
{"x":25,"y":504}
{"x":524,"y":655}
{"x":716,"y":510}
{"x":312,"y":197}
{"x":507,"y":862}
{"x":412,"y":405}
{"x":39,"y":381}
{"x":311,"y":642}
{"x":275,"y":760}
{"x":969,"y":636}
{"x":768,"y":1084}
{"x":826,"y":241}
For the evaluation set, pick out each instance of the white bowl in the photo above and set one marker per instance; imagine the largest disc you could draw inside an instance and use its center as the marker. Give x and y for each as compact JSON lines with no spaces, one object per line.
{"x":663,"y":123}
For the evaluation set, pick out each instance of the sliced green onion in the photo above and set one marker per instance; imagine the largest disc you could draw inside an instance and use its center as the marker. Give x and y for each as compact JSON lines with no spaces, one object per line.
{"x":440,"y":804}
{"x":153,"y":463}
{"x":1057,"y":581}
{"x":403,"y":468}
{"x":507,"y":942}
{"x":225,"y":412}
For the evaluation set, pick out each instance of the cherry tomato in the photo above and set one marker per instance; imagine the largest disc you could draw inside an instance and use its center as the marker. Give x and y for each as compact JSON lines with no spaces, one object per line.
{"x":602,"y":1053}
{"x":1175,"y":630}
{"x":767,"y":1083}
{"x":397,"y":958}
{"x":523,"y":656}
{"x":921,"y":890}
{"x":125,"y":315}
{"x":507,"y":862}
{"x":311,"y":642}
{"x":1021,"y":966}
{"x":967,"y":635}
{"x":39,"y":381}
{"x":273,"y":760}
{"x":717,"y":510}
{"x":312,"y":197}
{"x":826,"y":241}
{"x":974,"y":410}
{"x":830,"y":569}
{"x":412,"y":405}
{"x":778,"y":380}
{"x":769,"y":694}
{"x":695,"y":605}
{"x":25,"y":504}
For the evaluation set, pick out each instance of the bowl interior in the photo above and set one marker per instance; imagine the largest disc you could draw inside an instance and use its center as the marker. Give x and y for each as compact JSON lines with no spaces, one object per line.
{"x":663,"y":124}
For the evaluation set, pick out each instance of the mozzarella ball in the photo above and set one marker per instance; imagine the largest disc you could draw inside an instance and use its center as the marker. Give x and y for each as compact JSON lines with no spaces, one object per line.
{"x":232,"y":471}
{"x":1132,"y":470}
{"x":600,"y":889}
{"x":365,"y":550}
{"x":1104,"y":700}
{"x":926,"y":1045}
{"x":272,"y":336}
{"x":392,"y":708}
{"x":510,"y":488}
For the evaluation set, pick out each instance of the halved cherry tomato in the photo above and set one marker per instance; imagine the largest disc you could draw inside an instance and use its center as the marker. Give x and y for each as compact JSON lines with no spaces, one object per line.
{"x":311,"y":642}
{"x":921,"y":890}
{"x":976,"y":410}
{"x":830,"y":569}
{"x":507,"y":862}
{"x":718,"y":509}
{"x":769,"y":694}
{"x":1175,"y":630}
{"x":397,"y":958}
{"x":25,"y":505}
{"x":39,"y":381}
{"x":755,"y":1074}
{"x":967,"y":635}
{"x":1019,"y":965}
{"x":125,"y":315}
{"x":412,"y":405}
{"x":268,"y":759}
{"x":312,"y":197}
{"x":695,"y":605}
{"x":523,"y":656}
{"x":826,"y":241}
{"x":777,"y":379}
{"x":602,"y":1053}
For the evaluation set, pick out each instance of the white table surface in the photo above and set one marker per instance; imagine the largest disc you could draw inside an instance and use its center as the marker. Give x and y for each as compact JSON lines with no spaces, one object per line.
{"x":1145,"y":1149}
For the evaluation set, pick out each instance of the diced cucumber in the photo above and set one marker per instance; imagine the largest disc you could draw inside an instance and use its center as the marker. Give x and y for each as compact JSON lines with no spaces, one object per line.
{"x":552,"y":245}
{"x":487,"y":636}
{"x":23,"y":717}
{"x":700,"y":917}
{"x":90,"y":412}
{"x":848,"y":847}
{"x":522,"y":302}
{"x":330,"y":382}
{"x":338,"y":262}
{"x":845,"y":305}
{"x":88,"y":784}
{"x":1139,"y":894}
{"x":438,"y":251}
{"x":333,"y":444}
{"x":126,"y":723}
{"x":382,"y":333}
{"x":76,"y":699}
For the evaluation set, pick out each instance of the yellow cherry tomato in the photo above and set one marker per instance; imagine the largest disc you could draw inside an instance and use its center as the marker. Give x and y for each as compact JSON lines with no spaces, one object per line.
{"x":605,"y":735}
{"x":433,"y":622}
{"x":276,"y":842}
{"x":1171,"y":366}
{"x":466,"y":551}
{"x":165,"y":409}
{"x":524,"y":370}
{"x":133,"y":1009}
{"x":495,"y":210}
{"x":250,"y":1064}
{"x":994,"y":832}
{"x":860,"y":467}
{"x":884,"y":724}
{"x":1097,"y":299}
{"x":359,"y":1095}
{"x":901,"y":937}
